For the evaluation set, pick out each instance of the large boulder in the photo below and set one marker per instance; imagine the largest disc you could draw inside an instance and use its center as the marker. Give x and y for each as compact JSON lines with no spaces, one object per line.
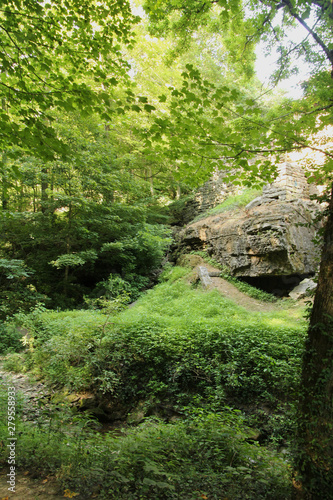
{"x":270,"y":237}
{"x":303,"y":289}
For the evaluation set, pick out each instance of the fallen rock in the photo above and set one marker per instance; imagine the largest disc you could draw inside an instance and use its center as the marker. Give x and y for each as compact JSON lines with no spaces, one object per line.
{"x":204,"y":277}
{"x":302,"y":290}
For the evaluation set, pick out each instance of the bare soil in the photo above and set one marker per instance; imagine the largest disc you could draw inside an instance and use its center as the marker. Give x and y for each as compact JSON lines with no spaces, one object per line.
{"x":231,"y":292}
{"x":28,"y":488}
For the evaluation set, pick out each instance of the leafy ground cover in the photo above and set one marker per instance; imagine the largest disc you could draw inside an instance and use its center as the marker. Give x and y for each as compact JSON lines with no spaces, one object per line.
{"x":176,"y":340}
{"x":195,"y":351}
{"x":205,"y":456}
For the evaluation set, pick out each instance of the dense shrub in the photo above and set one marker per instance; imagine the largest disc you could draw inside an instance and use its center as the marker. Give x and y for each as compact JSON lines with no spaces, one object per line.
{"x":196,"y":459}
{"x":207,"y":456}
{"x":10,"y":338}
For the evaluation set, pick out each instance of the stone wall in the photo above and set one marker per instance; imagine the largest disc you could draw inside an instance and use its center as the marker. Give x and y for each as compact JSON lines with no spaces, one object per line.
{"x":292,"y":181}
{"x":209,"y":195}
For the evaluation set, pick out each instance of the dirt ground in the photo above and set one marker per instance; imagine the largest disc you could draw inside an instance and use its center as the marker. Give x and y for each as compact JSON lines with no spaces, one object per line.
{"x":231,"y":292}
{"x":42,"y":488}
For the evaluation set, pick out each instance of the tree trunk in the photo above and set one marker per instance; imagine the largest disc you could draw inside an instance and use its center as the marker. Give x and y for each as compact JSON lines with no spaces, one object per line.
{"x":44,"y":187}
{"x":315,"y":426}
{"x":151,"y":182}
{"x":4,"y":196}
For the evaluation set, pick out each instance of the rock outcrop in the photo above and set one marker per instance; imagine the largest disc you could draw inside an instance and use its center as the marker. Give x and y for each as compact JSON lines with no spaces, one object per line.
{"x":270,"y":239}
{"x":272,"y":236}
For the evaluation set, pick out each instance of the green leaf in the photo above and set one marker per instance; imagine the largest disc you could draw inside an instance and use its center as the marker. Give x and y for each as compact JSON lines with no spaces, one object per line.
{"x":136,"y":108}
{"x":149,"y":108}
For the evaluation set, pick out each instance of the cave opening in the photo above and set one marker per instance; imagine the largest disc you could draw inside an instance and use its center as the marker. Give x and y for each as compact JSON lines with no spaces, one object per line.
{"x":280,"y":286}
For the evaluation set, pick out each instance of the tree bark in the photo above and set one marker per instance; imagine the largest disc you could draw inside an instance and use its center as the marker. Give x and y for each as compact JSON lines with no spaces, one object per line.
{"x":315,"y":425}
{"x":44,"y":188}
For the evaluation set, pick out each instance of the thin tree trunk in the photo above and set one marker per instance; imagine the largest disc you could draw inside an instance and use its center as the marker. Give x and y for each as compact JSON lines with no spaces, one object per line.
{"x":4,"y":181}
{"x":68,"y":249}
{"x":151,"y":181}
{"x":4,"y":196}
{"x":44,"y":187}
{"x":315,"y":426}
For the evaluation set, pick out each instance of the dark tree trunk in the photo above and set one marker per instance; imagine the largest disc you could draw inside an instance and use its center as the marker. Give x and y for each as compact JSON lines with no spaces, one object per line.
{"x":315,"y":429}
{"x":44,"y":186}
{"x":4,"y":200}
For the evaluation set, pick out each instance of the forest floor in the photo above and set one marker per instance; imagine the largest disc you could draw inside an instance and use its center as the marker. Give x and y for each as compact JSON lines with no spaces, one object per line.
{"x":33,"y":395}
{"x":28,"y":488}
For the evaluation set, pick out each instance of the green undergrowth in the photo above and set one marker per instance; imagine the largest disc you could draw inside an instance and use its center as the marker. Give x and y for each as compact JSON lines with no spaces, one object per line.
{"x":233,"y":202}
{"x":178,"y":346}
{"x":206,"y":456}
{"x":174,"y":342}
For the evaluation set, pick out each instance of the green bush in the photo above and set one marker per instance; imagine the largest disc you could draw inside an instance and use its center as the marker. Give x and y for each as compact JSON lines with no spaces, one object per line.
{"x":15,"y":362}
{"x":10,"y":338}
{"x":207,"y":455}
{"x":195,"y":459}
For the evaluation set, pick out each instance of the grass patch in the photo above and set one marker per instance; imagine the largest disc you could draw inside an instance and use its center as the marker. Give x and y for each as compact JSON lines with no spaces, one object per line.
{"x":231,"y":203}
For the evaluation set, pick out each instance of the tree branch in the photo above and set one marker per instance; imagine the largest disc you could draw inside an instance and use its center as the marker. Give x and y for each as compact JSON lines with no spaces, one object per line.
{"x":293,"y":13}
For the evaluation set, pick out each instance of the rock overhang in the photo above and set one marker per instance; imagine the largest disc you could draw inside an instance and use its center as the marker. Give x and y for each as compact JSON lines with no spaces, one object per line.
{"x":274,"y":238}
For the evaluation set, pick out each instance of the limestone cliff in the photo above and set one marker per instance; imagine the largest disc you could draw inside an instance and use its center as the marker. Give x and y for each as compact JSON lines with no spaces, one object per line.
{"x":272,"y":236}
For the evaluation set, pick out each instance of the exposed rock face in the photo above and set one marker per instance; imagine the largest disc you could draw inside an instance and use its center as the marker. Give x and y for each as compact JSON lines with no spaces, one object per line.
{"x":271,"y":236}
{"x":289,"y":185}
{"x":210,"y":194}
{"x":260,"y":241}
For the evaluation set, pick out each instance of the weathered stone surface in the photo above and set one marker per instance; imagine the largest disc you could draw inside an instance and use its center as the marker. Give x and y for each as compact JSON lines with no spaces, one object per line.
{"x":214,"y":274}
{"x":204,"y":277}
{"x":267,"y":239}
{"x":302,"y":290}
{"x":210,"y":194}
